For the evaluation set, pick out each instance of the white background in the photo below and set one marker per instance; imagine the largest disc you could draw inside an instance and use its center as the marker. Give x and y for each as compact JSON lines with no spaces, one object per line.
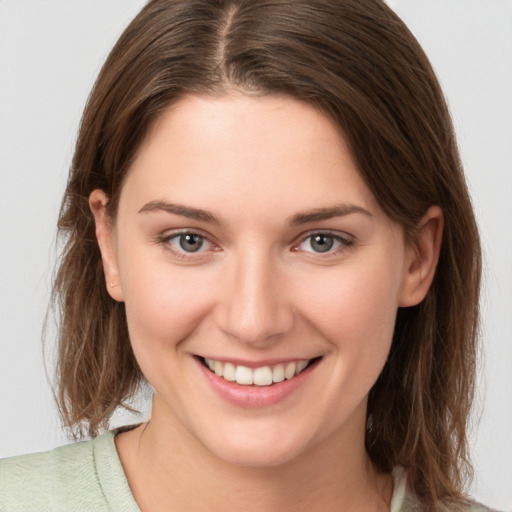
{"x":50,"y":53}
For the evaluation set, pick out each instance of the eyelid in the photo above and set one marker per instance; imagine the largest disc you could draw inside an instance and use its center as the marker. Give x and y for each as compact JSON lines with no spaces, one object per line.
{"x":170,"y":233}
{"x":165,"y":240}
{"x":343,"y":235}
{"x":347,"y":240}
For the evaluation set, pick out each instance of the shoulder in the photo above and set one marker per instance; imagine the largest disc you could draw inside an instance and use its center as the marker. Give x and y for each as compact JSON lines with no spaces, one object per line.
{"x":85,"y":476}
{"x":473,"y":506}
{"x":405,"y":501}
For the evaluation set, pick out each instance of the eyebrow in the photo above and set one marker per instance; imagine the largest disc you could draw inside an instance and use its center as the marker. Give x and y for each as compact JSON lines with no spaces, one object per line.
{"x":327,"y":213}
{"x":297,"y":220}
{"x":179,"y":209}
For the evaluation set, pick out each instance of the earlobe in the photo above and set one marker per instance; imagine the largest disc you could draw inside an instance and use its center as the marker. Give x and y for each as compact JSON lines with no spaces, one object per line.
{"x":104,"y":235}
{"x":422,"y":257}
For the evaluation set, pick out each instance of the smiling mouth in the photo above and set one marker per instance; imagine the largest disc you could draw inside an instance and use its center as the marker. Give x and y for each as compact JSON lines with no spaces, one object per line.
{"x":262,"y":376}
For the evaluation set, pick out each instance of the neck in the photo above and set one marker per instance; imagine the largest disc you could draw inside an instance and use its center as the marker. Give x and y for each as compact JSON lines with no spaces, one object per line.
{"x":165,"y":465}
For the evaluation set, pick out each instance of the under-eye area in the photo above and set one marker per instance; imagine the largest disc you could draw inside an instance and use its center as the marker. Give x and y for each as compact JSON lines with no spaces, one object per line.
{"x":261,"y":376}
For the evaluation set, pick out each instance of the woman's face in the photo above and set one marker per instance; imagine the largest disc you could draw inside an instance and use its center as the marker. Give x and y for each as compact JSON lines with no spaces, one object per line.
{"x":246,"y":237}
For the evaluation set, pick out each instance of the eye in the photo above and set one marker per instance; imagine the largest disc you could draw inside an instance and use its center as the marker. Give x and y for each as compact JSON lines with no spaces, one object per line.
{"x":188,"y":242}
{"x":322,"y":243}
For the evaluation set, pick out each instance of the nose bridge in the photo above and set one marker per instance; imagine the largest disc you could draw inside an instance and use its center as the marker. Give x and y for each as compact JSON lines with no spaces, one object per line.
{"x":255,"y":308}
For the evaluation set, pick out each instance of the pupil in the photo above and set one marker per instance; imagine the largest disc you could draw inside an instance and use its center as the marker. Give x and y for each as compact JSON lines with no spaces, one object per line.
{"x":191,"y":242}
{"x":322,"y":243}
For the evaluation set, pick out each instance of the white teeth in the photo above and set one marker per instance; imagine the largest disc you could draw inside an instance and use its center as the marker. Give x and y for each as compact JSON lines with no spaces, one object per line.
{"x":262,"y":376}
{"x":218,"y":368}
{"x":243,"y":375}
{"x":278,"y":373}
{"x":290,"y":370}
{"x":229,"y":372}
{"x":300,"y":366}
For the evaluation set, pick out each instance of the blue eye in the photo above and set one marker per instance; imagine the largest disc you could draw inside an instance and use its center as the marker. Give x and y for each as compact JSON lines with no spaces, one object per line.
{"x":322,"y":243}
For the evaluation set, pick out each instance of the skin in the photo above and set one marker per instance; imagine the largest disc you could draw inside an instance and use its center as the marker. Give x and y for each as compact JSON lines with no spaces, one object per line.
{"x":256,"y":290}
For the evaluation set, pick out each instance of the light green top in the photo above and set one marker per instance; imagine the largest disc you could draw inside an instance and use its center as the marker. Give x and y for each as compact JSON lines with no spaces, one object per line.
{"x":80,"y":477}
{"x":88,"y":477}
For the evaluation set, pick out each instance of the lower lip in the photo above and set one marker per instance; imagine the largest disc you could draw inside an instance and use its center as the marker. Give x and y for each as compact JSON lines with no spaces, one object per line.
{"x":255,"y":396}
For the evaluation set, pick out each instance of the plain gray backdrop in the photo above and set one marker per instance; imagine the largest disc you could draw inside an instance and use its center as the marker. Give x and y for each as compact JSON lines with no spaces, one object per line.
{"x":50,"y":53}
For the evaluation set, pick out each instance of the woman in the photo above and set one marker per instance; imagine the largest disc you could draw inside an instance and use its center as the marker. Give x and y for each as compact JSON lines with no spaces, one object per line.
{"x":266,"y":220}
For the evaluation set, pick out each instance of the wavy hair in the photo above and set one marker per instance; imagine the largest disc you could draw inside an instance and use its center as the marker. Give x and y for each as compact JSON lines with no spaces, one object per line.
{"x":358,"y":63}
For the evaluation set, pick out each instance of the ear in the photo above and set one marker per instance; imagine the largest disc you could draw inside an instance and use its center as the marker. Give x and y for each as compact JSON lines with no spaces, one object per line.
{"x":105,"y":236}
{"x":422,"y":256}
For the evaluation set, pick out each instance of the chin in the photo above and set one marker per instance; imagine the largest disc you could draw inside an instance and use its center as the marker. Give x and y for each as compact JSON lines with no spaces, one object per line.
{"x":259,"y":449}
{"x":251,"y":456}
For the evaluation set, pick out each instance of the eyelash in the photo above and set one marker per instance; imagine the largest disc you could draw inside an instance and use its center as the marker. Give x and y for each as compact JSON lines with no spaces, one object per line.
{"x":166,"y":241}
{"x":344,"y":243}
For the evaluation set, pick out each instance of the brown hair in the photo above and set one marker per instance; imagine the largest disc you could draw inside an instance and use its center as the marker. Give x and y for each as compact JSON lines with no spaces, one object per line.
{"x":359,"y":64}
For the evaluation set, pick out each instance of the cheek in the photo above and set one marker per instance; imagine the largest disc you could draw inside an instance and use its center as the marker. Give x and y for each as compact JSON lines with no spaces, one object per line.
{"x":164,"y":303}
{"x":353,"y":299}
{"x":355,"y":311}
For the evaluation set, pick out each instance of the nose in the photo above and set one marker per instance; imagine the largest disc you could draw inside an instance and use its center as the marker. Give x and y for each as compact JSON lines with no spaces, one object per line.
{"x":254,"y":308}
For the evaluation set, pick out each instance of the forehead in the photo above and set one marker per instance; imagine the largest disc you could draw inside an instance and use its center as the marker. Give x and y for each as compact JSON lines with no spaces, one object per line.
{"x":266,"y":149}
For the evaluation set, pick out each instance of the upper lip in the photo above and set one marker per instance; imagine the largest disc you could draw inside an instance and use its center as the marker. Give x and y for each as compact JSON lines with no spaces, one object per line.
{"x":257,"y":364}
